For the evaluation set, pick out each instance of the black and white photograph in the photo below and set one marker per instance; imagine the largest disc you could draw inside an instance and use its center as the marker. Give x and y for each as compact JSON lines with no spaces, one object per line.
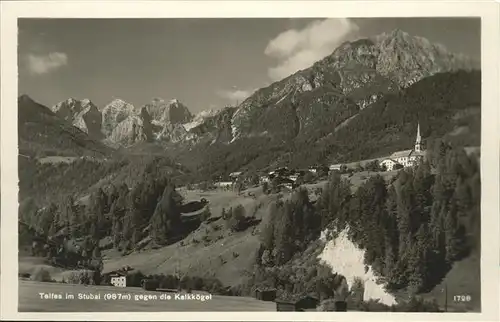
{"x":250,"y":164}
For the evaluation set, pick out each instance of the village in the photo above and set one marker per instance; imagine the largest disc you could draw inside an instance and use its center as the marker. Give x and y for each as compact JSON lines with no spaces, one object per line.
{"x":283,"y":178}
{"x":288,"y":178}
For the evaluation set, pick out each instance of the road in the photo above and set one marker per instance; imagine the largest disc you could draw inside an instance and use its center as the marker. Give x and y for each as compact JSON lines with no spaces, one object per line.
{"x":31,"y":301}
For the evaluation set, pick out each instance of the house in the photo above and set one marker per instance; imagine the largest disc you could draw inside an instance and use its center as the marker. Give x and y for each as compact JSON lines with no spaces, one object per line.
{"x":265,"y":294}
{"x":235,"y":175}
{"x":318,"y":169}
{"x":294,"y":303}
{"x":223,"y":184}
{"x":334,"y":167}
{"x":118,"y":279}
{"x":389,"y":164}
{"x":283,"y":171}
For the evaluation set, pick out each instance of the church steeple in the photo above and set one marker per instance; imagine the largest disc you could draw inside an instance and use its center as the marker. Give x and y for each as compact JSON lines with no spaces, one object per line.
{"x":418,"y":141}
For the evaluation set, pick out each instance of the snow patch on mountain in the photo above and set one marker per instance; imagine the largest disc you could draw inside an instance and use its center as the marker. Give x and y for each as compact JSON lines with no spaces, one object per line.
{"x":346,"y":259}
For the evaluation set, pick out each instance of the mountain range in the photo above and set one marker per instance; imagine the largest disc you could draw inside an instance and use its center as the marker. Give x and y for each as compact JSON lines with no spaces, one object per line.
{"x":313,"y":107}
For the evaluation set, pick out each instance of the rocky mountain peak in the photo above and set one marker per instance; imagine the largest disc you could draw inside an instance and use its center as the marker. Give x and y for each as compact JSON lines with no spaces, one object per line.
{"x":83,"y":114}
{"x":171,"y":112}
{"x":24,"y":98}
{"x":359,"y":72}
{"x":114,"y":113}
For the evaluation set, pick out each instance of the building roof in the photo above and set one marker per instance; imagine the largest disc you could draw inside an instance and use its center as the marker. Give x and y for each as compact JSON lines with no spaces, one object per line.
{"x":295,"y":298}
{"x":232,"y":174}
{"x":265,"y":289}
{"x":401,"y":154}
{"x":416,"y":153}
{"x":389,"y":159}
{"x":406,"y":153}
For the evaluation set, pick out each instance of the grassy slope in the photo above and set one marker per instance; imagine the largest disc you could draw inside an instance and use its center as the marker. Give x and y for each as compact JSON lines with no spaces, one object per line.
{"x":204,"y":260}
{"x":198,"y":259}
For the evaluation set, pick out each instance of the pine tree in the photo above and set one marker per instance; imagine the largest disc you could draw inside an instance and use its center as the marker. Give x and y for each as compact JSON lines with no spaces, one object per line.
{"x":166,"y":217}
{"x":283,"y":249}
{"x":420,"y":260}
{"x":96,"y":252}
{"x":391,"y":231}
{"x":405,"y":206}
{"x":452,"y":242}
{"x":267,"y":233}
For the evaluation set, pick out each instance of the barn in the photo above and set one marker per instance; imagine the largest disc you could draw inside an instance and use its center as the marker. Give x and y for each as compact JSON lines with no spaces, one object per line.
{"x":265,"y":294}
{"x":300,"y":304}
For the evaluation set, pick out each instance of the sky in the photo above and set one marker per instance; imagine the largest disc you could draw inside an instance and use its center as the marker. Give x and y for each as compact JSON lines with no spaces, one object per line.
{"x":204,"y":63}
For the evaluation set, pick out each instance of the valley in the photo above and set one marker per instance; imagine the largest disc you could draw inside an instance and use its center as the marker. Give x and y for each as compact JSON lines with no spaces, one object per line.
{"x":237,"y":199}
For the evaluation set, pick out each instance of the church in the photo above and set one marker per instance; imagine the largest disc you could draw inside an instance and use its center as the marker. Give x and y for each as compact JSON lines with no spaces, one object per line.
{"x":406,"y":158}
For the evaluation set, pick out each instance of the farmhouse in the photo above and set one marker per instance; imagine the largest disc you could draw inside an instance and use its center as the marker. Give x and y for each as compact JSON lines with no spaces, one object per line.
{"x":223,"y":184}
{"x":283,"y":171}
{"x":406,"y":158}
{"x":118,"y":279}
{"x":303,"y":303}
{"x":334,"y":167}
{"x":318,"y":168}
{"x":264,"y":178}
{"x":235,"y":175}
{"x":389,"y":164}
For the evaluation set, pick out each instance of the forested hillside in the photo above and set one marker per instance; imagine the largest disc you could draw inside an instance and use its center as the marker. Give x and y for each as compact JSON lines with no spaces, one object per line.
{"x":412,"y":230}
{"x":446,"y":105}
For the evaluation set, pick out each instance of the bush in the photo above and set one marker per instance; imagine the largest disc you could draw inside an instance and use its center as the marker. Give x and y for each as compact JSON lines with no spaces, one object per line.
{"x":41,"y":275}
{"x":265,"y":188}
{"x":73,"y":278}
{"x":327,"y":306}
{"x":236,"y":219}
{"x":82,"y":277}
{"x":205,"y":214}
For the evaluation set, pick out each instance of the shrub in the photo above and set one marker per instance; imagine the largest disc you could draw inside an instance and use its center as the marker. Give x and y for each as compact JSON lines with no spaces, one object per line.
{"x":205,"y":214}
{"x":327,"y":306}
{"x":41,"y":275}
{"x":265,"y":188}
{"x":235,"y":219}
{"x":73,"y":278}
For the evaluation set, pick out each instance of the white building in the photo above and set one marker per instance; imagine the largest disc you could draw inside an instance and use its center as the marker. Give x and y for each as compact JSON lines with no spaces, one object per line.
{"x":389,"y":164}
{"x":406,"y":158}
{"x":235,"y":175}
{"x":119,"y":280}
{"x":223,"y":184}
{"x":334,"y":167}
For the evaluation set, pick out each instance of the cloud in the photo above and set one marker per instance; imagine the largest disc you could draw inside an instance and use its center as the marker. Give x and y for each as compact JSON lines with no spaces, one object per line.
{"x":299,"y":49}
{"x":235,"y":95}
{"x":42,"y":64}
